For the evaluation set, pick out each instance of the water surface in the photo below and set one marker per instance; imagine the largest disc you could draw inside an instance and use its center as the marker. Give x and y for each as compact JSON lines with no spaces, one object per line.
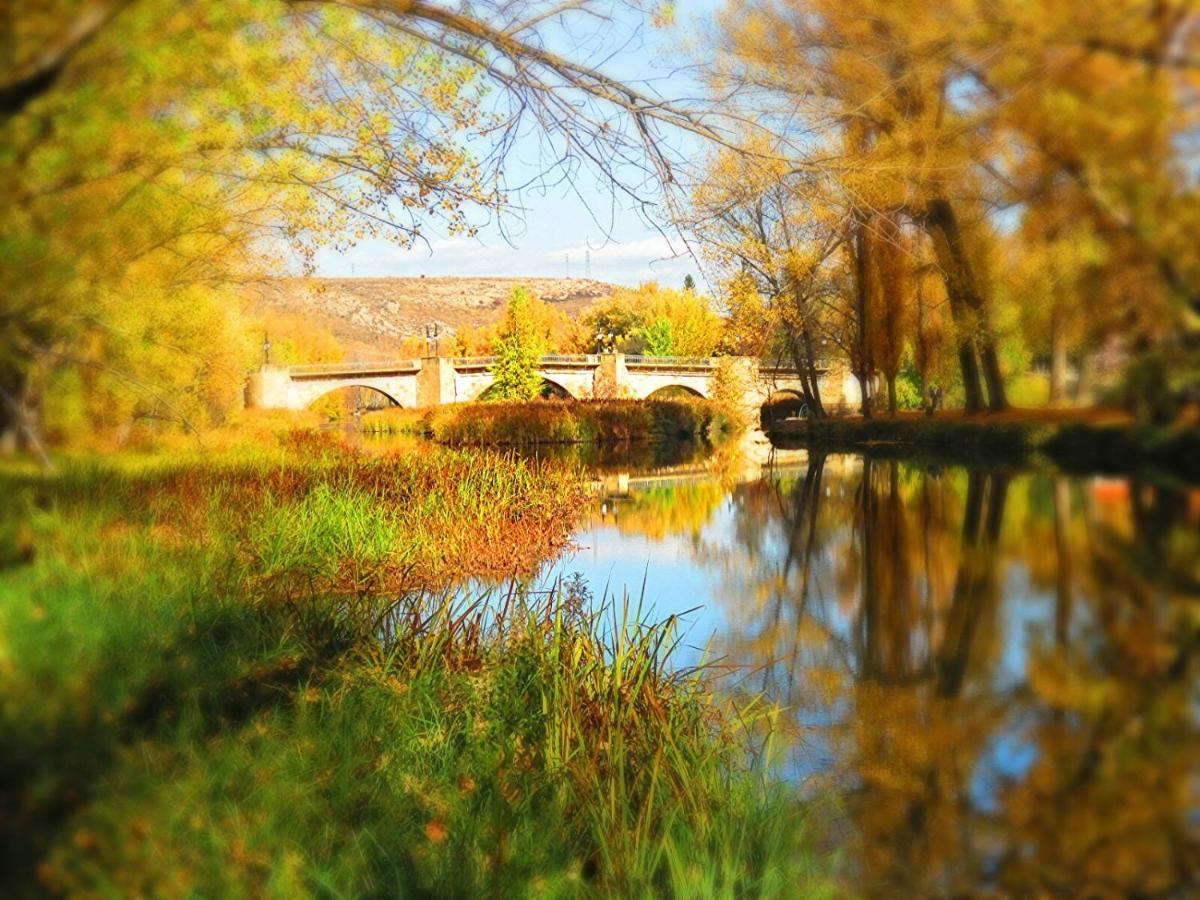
{"x":989,"y":675}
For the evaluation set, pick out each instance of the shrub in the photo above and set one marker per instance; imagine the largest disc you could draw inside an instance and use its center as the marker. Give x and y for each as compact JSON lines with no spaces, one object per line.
{"x":556,"y":422}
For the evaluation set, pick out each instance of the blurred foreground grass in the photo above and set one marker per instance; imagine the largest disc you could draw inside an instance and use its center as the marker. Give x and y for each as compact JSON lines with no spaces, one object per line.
{"x":260,"y":676}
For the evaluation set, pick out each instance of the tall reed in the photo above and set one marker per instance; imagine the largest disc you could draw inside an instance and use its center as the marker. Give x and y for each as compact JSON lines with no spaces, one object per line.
{"x":267,"y":676}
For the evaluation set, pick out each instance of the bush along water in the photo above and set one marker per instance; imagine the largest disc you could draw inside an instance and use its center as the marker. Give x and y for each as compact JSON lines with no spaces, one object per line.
{"x":557,"y":422}
{"x":263,"y":677}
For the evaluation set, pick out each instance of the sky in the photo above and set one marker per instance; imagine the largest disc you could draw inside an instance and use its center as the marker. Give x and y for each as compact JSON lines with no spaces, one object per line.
{"x":560,"y":231}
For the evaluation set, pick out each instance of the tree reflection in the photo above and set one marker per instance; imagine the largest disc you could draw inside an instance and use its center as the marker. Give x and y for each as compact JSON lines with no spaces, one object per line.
{"x":997,"y":672}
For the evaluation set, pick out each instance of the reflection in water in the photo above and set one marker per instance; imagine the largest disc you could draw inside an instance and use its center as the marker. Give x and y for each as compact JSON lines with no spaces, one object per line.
{"x":994,"y":672}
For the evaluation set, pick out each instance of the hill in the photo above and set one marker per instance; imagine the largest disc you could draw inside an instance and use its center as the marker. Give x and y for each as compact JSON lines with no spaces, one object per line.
{"x":372,"y":315}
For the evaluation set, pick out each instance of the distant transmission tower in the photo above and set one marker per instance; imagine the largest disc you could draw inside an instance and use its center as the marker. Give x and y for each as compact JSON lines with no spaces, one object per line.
{"x":567,"y":263}
{"x":587,"y":264}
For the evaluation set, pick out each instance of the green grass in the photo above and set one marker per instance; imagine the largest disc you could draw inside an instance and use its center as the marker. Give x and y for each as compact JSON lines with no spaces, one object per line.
{"x":257,"y":677}
{"x":556,"y":422}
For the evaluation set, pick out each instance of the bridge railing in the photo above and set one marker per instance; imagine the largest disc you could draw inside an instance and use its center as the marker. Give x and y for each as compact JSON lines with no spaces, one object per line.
{"x":472,"y":362}
{"x":357,"y":368}
{"x":548,"y":359}
{"x":675,"y":363}
{"x":577,"y":359}
{"x":670,"y":362}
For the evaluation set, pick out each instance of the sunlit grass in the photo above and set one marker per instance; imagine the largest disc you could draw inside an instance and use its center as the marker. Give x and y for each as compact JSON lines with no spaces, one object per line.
{"x":257,"y":677}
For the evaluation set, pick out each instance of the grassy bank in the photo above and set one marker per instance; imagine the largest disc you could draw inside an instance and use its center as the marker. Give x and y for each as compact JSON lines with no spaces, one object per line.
{"x":1087,"y":440}
{"x":555,"y":422}
{"x":256,"y":678}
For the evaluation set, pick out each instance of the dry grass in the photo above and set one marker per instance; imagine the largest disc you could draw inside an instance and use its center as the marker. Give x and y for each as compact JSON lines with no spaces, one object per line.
{"x":556,"y":422}
{"x":253,"y":677}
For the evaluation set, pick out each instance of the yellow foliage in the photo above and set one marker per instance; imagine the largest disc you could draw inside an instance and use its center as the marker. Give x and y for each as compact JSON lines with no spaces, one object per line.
{"x":624,"y":320}
{"x":184,"y":150}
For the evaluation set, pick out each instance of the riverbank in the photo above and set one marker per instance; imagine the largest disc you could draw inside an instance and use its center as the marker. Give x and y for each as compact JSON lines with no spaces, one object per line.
{"x":555,"y":422}
{"x":264,"y":675}
{"x":1076,"y":440}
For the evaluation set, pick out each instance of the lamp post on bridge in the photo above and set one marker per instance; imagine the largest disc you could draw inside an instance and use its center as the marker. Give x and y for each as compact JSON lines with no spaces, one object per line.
{"x":432,"y":330}
{"x":266,"y":348}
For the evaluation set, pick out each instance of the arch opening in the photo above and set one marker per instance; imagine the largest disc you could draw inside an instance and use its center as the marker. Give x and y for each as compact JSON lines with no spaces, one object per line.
{"x":674,"y":392}
{"x":780,"y":405}
{"x":550,"y":390}
{"x":352,"y":401}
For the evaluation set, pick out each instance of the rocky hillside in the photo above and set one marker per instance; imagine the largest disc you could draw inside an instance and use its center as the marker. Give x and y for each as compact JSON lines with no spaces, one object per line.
{"x":375,"y":314}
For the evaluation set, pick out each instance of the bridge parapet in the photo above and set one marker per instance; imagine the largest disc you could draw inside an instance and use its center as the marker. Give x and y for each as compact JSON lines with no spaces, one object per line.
{"x":584,"y":360}
{"x":671,"y":362}
{"x":437,"y":380}
{"x":349,"y":367}
{"x":587,"y":360}
{"x":472,"y":362}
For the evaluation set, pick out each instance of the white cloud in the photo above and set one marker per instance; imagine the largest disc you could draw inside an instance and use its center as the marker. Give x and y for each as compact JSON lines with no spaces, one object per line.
{"x":646,"y":258}
{"x":654,"y":247}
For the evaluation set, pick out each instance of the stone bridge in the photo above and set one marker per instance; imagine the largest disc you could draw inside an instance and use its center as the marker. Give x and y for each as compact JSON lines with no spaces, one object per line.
{"x":432,"y":381}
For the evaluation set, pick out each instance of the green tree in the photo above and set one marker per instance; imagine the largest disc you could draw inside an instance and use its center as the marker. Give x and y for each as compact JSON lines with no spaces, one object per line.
{"x":518,"y":350}
{"x":689,"y":283}
{"x":658,"y":338}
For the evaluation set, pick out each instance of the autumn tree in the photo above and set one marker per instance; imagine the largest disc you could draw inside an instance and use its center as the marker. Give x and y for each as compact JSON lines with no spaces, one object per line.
{"x":555,"y":330}
{"x":519,"y":348}
{"x":944,"y":113}
{"x":891,"y":306}
{"x":154,"y":151}
{"x":872,"y":76}
{"x":758,"y":221}
{"x":750,"y":326}
{"x":653,"y":320}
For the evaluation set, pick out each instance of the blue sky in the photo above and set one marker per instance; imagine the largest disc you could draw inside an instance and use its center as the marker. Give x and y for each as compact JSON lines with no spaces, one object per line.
{"x":556,"y":229}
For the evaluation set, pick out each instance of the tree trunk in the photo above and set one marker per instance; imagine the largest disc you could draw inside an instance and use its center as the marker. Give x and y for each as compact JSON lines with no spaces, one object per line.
{"x":802,"y":360}
{"x":869,"y":638}
{"x":13,"y":435}
{"x":817,"y":408}
{"x":1062,"y":547}
{"x":862,"y":333}
{"x":1058,"y":358}
{"x":1083,"y":384}
{"x":975,"y":584}
{"x":18,"y":430}
{"x":864,"y":390}
{"x":990,"y":360}
{"x":966,"y":302}
{"x":972,"y":386}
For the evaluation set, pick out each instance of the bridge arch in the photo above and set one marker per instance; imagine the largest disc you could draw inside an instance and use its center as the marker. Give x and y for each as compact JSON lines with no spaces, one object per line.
{"x":551,"y":390}
{"x":674,"y":392}
{"x":477,"y":390}
{"x":351,"y":393}
{"x":779,"y":404}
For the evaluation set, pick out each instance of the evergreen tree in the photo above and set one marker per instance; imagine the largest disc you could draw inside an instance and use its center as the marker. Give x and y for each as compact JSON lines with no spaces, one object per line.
{"x":518,"y":351}
{"x":689,"y":283}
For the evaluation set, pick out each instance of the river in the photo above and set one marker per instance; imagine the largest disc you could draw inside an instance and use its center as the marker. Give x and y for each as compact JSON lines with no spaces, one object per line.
{"x":985,"y":678}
